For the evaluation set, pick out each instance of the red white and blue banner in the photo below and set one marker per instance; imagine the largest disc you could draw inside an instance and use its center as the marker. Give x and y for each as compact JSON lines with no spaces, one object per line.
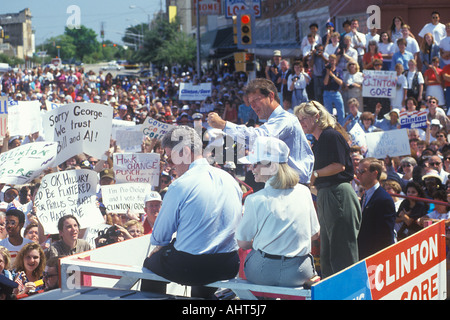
{"x":412,"y":269}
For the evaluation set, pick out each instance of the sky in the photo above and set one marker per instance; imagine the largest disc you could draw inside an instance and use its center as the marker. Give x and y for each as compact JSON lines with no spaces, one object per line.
{"x":49,"y":17}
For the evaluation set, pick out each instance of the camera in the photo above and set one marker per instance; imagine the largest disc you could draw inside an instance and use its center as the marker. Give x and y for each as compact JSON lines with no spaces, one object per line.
{"x":295,"y":78}
{"x":107,"y":237}
{"x":328,"y":66}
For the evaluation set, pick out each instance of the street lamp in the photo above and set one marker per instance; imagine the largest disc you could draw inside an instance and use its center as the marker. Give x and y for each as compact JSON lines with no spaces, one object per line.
{"x":132,"y":6}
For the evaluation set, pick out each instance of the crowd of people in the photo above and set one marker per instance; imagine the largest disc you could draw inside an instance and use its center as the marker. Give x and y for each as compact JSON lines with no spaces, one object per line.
{"x":307,"y":112}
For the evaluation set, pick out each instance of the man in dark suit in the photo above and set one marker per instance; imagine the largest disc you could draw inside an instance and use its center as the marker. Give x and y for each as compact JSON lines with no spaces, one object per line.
{"x":281,"y":82}
{"x":378,"y":210}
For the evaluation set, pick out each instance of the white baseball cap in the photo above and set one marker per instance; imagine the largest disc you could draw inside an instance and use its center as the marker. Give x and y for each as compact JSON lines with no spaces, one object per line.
{"x":268,"y":149}
{"x":153,"y":196}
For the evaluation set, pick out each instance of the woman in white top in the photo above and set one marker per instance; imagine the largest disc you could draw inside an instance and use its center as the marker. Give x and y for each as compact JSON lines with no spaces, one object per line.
{"x":352,"y":87}
{"x":297,"y":83}
{"x":334,"y":44}
{"x":279,"y":221}
{"x":386,"y":48}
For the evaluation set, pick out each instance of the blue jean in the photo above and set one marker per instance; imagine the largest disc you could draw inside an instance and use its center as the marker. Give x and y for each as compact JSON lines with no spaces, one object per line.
{"x":286,"y":272}
{"x":334,"y":99}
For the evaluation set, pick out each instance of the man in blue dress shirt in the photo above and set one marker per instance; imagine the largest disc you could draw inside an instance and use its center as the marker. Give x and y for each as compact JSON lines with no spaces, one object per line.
{"x":263,"y":97}
{"x":203,"y":206}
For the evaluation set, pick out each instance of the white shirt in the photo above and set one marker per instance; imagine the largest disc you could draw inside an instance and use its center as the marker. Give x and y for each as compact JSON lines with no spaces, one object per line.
{"x":402,"y":84}
{"x":330,"y":49}
{"x":438,"y":31}
{"x":411,"y":45}
{"x":445,"y":45}
{"x":277,"y":223}
{"x":358,"y":41}
{"x":410,"y":77}
{"x":300,"y":83}
{"x":13,"y":250}
{"x":305,"y":42}
{"x":386,"y":48}
{"x":370,"y":37}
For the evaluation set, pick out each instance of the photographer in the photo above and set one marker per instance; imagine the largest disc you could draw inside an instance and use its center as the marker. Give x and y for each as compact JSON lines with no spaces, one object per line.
{"x":346,"y":54}
{"x":332,"y":80}
{"x":297,"y":83}
{"x":112,"y":235}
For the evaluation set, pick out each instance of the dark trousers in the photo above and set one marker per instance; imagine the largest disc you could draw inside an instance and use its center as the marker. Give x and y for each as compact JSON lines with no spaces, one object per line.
{"x":188,"y":269}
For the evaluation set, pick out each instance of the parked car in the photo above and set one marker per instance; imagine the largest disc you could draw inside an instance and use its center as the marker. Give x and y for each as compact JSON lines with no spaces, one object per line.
{"x":112,"y":65}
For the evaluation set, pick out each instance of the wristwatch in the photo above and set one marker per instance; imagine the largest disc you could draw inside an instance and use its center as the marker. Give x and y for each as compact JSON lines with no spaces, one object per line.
{"x":316,"y":175}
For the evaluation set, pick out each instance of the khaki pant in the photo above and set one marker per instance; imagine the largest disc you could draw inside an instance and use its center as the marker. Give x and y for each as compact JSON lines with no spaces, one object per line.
{"x":339,"y":214}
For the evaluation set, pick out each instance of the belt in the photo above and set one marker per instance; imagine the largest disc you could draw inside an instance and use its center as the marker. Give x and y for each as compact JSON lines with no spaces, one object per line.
{"x":272,"y":256}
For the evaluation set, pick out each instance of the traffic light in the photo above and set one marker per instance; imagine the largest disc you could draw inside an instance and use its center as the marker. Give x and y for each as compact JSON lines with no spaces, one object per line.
{"x":245,"y":28}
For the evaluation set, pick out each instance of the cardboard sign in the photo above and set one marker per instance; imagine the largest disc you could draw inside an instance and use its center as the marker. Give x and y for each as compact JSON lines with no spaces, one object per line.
{"x":68,"y":192}
{"x":379,"y":84}
{"x":189,"y":91}
{"x":137,"y":167}
{"x":119,"y":198}
{"x":414,"y":119}
{"x":412,"y":269}
{"x":79,"y":128}
{"x":155,"y":129}
{"x":24,"y":118}
{"x":24,"y":163}
{"x":388,"y":143}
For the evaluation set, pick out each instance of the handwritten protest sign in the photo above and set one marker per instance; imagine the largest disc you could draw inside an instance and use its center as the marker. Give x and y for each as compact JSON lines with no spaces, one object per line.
{"x":379,"y":84}
{"x":24,"y":118}
{"x":189,"y":91}
{"x":129,"y":139}
{"x":358,"y":137}
{"x":137,"y":167}
{"x":78,"y":128}
{"x":155,"y":129}
{"x":413,"y":119}
{"x":68,"y":192}
{"x":388,"y":143}
{"x":3,"y":116}
{"x":24,"y":163}
{"x":119,"y":198}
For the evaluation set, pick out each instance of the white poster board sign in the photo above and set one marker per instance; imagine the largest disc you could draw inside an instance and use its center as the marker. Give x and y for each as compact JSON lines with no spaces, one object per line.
{"x":137,"y":167}
{"x":155,"y":129}
{"x":189,"y":91}
{"x":68,"y":192}
{"x":24,"y":118}
{"x":358,"y":137}
{"x":24,"y":163}
{"x":129,"y":139}
{"x":379,"y":84}
{"x":391,"y":143}
{"x":79,"y":128}
{"x":119,"y":198}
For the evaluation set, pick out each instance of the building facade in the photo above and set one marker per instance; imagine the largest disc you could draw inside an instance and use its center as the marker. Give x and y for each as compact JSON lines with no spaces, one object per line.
{"x":18,"y":36}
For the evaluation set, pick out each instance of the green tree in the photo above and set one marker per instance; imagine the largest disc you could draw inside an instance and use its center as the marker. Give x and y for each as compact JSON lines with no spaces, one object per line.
{"x":84,"y":39}
{"x":66,"y":46}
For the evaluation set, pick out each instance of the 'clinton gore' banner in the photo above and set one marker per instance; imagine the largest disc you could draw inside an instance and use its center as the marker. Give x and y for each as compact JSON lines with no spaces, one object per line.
{"x":414,"y":119}
{"x":84,"y":127}
{"x":119,"y":198}
{"x":68,"y":192}
{"x":412,"y":269}
{"x":379,"y":84}
{"x":24,"y":163}
{"x":189,"y":91}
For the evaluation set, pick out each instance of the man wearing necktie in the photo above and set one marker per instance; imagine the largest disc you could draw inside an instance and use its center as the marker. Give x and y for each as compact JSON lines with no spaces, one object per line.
{"x":378,"y":210}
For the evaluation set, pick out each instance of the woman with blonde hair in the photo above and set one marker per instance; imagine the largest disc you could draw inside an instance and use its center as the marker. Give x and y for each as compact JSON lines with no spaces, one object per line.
{"x":277,"y":229}
{"x":30,"y":265}
{"x":338,"y":206}
{"x":428,"y":50}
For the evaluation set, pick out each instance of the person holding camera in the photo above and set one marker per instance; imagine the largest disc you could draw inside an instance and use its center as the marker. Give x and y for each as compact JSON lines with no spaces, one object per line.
{"x":332,"y":80}
{"x":297,"y":83}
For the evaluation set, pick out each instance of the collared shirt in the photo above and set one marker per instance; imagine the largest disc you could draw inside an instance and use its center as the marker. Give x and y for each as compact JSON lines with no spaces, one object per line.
{"x":276,"y":222}
{"x":353,"y":120}
{"x":60,"y":248}
{"x":369,"y":193}
{"x":385,"y":124}
{"x":284,"y":126}
{"x":203,"y":207}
